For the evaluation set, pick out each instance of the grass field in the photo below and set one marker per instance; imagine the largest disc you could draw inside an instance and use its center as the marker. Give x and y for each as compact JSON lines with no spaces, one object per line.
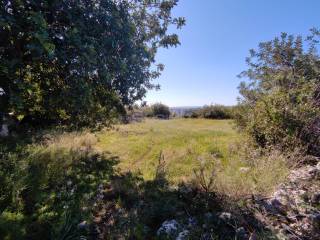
{"x":185,"y":145}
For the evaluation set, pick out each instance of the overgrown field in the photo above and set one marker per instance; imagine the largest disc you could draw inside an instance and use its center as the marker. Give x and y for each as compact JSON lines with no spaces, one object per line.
{"x":130,"y":179}
{"x":184,"y":146}
{"x":183,"y":143}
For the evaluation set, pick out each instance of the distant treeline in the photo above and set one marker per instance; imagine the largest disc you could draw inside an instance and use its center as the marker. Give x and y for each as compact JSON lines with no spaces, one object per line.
{"x":159,"y":110}
{"x":212,"y":112}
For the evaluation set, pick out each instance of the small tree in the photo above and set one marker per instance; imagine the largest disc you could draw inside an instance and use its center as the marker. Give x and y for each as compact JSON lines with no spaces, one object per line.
{"x":160,"y":110}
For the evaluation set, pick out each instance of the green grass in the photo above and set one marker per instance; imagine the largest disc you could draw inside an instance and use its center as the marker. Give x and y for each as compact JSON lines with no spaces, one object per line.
{"x":187,"y":144}
{"x":182,"y":142}
{"x":59,"y":167}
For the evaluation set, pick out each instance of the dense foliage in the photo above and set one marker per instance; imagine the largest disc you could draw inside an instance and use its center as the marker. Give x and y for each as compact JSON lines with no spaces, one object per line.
{"x":280,"y":101}
{"x":82,"y":61}
{"x":160,"y":110}
{"x":212,"y":112}
{"x":157,"y":110}
{"x":47,"y":189}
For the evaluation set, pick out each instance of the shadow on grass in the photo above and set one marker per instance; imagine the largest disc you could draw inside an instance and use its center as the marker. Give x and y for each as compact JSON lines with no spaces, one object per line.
{"x":136,"y":209}
{"x":54,"y":191}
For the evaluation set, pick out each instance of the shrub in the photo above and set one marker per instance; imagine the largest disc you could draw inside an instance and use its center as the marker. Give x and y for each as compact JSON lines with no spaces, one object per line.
{"x":160,"y":110}
{"x":157,"y":110}
{"x":212,"y":112}
{"x":56,"y":186}
{"x":248,"y":170}
{"x":280,"y":103}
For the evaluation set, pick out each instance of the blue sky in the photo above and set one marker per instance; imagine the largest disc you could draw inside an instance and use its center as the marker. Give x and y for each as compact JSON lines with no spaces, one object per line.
{"x":215,"y":42}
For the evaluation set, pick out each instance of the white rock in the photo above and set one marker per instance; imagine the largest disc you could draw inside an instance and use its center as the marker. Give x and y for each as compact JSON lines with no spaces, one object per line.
{"x":168,"y":227}
{"x":226,"y":216}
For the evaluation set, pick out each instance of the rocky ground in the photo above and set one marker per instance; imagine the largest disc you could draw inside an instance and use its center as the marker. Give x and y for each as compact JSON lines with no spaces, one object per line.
{"x":293,"y":211}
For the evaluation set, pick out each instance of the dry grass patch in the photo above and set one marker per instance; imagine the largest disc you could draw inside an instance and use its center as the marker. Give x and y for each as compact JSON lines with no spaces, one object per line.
{"x":251,"y":174}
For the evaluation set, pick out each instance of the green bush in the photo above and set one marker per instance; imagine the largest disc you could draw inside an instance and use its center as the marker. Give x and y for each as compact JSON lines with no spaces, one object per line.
{"x":212,"y":112}
{"x":158,"y":110}
{"x":56,"y":186}
{"x":280,"y":102}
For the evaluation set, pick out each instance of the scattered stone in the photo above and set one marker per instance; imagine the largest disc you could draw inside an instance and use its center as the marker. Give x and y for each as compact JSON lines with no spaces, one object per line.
{"x":169,"y":228}
{"x":293,"y":210}
{"x":225,"y":216}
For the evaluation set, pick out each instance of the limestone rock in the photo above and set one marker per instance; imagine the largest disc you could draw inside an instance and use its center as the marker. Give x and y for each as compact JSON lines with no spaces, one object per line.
{"x":169,"y":228}
{"x":292,"y":210}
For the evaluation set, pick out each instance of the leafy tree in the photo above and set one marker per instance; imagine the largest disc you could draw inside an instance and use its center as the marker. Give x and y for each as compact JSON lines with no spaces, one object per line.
{"x":160,"y":110}
{"x":280,"y":100}
{"x":80,"y":61}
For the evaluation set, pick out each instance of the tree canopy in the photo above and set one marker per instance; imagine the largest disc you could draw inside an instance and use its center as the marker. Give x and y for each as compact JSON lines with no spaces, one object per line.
{"x":280,"y":99}
{"x":80,"y":61}
{"x":160,"y":110}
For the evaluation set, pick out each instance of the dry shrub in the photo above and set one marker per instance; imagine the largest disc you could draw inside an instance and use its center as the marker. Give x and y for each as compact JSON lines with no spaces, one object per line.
{"x":71,"y":141}
{"x":243,"y":172}
{"x":204,"y":178}
{"x":251,"y":171}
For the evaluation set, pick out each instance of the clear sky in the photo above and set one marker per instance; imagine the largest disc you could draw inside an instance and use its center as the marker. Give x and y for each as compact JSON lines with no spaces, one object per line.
{"x":215,"y":42}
